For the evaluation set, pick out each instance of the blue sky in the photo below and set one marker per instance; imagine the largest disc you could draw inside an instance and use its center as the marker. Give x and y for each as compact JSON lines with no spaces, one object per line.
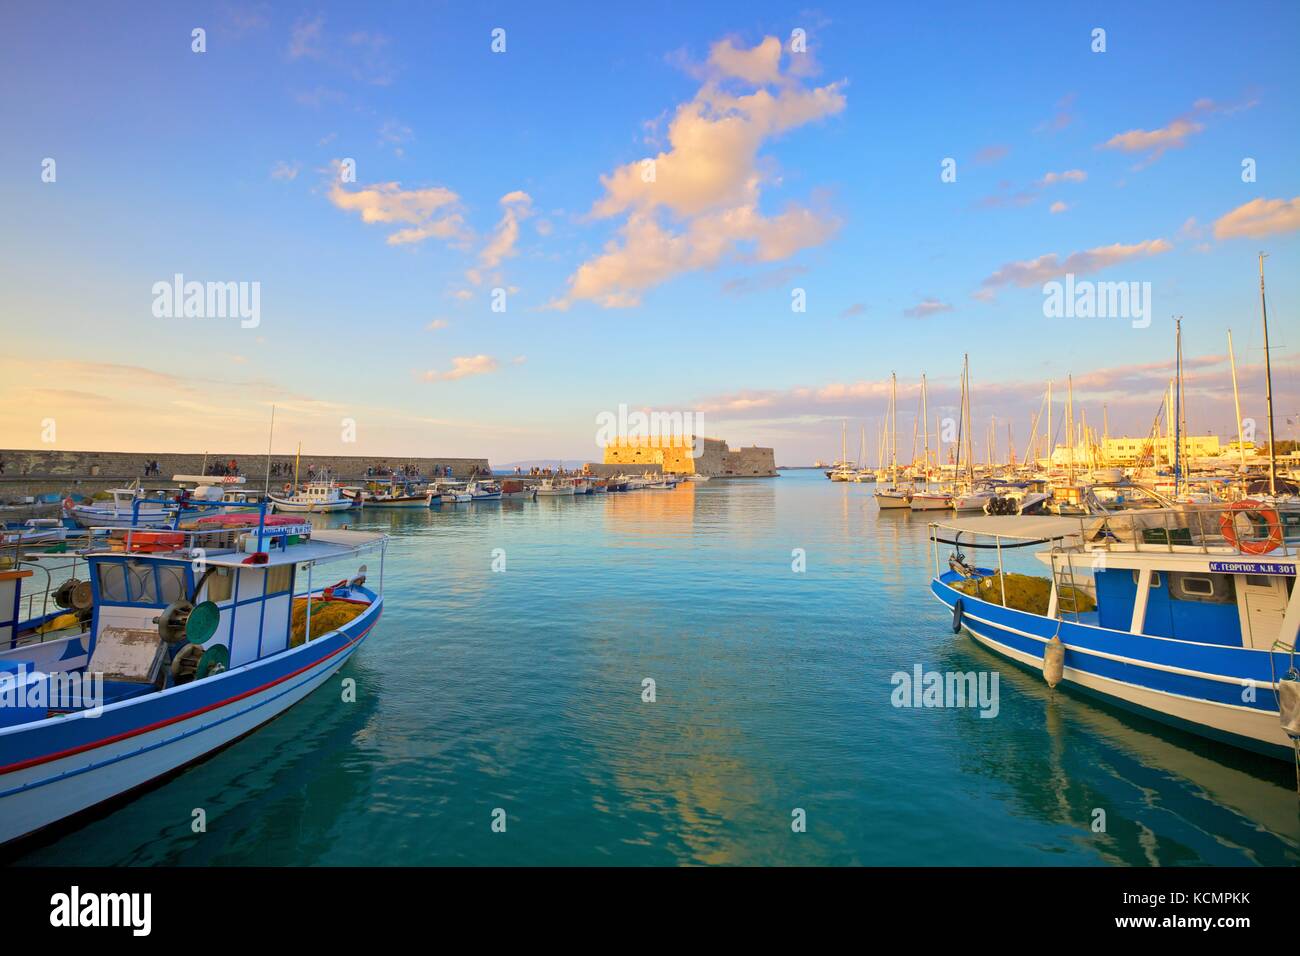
{"x":222,"y":166}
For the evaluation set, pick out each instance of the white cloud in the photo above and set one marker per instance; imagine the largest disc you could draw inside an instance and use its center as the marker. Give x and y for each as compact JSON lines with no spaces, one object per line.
{"x":1037,"y":271}
{"x":1259,"y":218}
{"x":697,"y":203}
{"x":464,"y":366}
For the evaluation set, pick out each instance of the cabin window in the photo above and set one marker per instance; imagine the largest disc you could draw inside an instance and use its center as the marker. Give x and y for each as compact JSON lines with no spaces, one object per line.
{"x":171,"y":583}
{"x":221,"y":584}
{"x":1155,"y":578}
{"x":1259,"y":580}
{"x":279,"y":578}
{"x":112,"y":583}
{"x":140,"y":585}
{"x":1204,"y":588}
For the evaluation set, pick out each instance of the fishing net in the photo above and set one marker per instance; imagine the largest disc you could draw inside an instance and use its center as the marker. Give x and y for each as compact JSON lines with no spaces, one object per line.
{"x":1024,"y":593}
{"x":326,"y":616}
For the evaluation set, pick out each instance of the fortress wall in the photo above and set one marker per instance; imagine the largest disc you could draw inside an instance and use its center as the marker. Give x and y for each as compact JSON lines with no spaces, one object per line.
{"x":35,"y":472}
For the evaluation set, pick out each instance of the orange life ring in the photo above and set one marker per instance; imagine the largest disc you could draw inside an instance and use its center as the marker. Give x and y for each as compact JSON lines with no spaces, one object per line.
{"x":1227,"y":525}
{"x":68,"y":503}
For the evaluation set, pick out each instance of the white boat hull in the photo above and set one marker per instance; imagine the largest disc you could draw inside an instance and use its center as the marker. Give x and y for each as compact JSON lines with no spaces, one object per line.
{"x":928,"y":502}
{"x":314,"y":507}
{"x":888,"y":499}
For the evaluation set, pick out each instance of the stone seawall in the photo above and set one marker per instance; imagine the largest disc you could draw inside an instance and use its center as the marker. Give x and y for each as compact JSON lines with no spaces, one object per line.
{"x":36,"y":472}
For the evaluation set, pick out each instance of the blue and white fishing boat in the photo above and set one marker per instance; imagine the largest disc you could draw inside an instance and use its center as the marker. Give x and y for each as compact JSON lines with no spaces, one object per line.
{"x":121,"y":510}
{"x":197,"y":635}
{"x":1188,"y":615}
{"x":483,"y":491}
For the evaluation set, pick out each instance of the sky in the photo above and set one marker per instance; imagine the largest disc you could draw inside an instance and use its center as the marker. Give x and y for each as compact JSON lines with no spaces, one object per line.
{"x":474,"y":229}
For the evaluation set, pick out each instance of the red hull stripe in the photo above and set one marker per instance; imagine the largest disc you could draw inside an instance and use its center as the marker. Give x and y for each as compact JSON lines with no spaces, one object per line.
{"x":46,"y":758}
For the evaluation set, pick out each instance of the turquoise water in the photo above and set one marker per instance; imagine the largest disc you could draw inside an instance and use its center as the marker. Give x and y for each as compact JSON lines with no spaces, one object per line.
{"x":522,"y":690}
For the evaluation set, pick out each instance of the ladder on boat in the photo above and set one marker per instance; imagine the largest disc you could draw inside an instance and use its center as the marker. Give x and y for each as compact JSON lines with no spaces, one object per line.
{"x":1064,"y":588}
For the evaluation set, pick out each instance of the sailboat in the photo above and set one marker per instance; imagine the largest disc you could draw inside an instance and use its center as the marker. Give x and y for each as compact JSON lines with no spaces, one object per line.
{"x":936,"y":500}
{"x":843,"y":471}
{"x":893,"y":497}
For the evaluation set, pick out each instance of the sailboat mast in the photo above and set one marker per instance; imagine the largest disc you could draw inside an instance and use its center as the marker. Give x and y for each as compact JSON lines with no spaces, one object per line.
{"x":1050,"y":449}
{"x":1105,"y":436}
{"x":1069,"y":423}
{"x":1268,"y":386}
{"x":1178,"y":404}
{"x":925,"y":417}
{"x":266,"y":488}
{"x":893,"y":426}
{"x":970,"y":425}
{"x":1236,"y":402}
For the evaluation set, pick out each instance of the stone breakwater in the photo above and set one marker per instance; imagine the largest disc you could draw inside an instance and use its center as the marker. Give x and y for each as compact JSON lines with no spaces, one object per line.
{"x":30,"y":472}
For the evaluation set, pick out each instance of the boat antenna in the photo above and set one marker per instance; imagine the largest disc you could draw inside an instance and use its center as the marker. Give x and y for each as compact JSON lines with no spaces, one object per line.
{"x":1268,"y":384}
{"x":266,"y":488}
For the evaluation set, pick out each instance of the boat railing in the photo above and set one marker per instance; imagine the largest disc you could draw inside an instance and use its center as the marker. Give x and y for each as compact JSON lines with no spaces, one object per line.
{"x":1210,"y":529}
{"x":1217,"y":528}
{"x":38,"y":601}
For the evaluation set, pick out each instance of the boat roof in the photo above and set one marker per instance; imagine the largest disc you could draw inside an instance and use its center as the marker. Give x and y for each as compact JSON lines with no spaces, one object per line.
{"x":328,"y":544}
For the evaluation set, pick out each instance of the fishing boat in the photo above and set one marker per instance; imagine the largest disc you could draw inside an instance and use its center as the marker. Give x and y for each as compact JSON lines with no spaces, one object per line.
{"x":199,"y":635}
{"x":515,"y":490}
{"x":695,"y":476}
{"x":581,"y":486}
{"x":618,"y":483}
{"x":392,"y":493}
{"x":34,"y":531}
{"x":1188,"y":615}
{"x":126,"y":509}
{"x":554,"y":487}
{"x":315,"y":497}
{"x":483,"y":491}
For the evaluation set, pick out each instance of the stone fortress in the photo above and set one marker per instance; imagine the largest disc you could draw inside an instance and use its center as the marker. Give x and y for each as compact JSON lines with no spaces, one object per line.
{"x":675,"y":456}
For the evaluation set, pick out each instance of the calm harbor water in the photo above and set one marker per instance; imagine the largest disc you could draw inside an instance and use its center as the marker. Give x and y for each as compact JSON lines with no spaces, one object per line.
{"x":522,"y":690}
